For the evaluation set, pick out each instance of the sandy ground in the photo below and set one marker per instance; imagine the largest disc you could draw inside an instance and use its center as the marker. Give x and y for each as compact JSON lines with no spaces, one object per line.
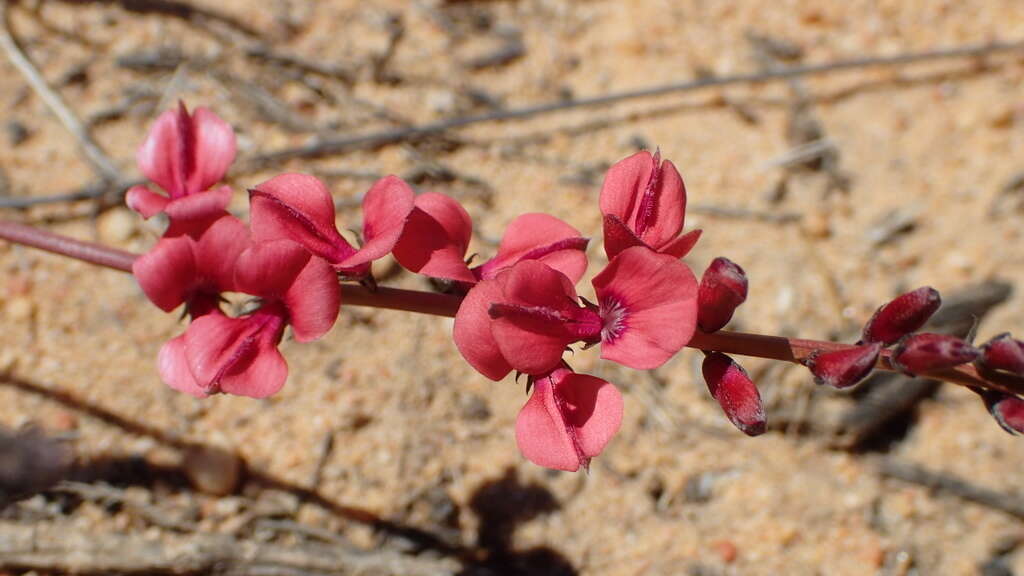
{"x":421,"y":439}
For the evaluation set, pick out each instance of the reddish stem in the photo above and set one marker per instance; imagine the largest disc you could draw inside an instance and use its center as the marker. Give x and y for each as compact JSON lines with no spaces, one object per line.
{"x":756,"y":345}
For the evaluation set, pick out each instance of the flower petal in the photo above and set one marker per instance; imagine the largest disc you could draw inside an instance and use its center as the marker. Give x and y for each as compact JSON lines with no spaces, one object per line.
{"x":618,"y":236}
{"x":217,"y":251}
{"x":160,"y":157}
{"x":174,"y":370}
{"x":540,"y":237}
{"x":649,"y":302}
{"x":214,"y":150}
{"x":436,"y":238}
{"x":313,"y":300}
{"x":167,"y":273}
{"x":681,"y":245}
{"x":300,"y":208}
{"x":472,"y":331}
{"x":568,"y":420}
{"x":386,"y":209}
{"x":623,"y":185}
{"x":236,"y":355}
{"x":199,"y":206}
{"x":735,"y":392}
{"x":667,"y":208}
{"x":268,"y":269}
{"x":531,"y":343}
{"x":146,"y":202}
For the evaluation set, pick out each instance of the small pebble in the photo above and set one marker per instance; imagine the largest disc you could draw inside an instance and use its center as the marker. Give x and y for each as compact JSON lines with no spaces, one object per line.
{"x":117,"y":226}
{"x":213,"y":470}
{"x":20,"y":309}
{"x":726,"y":550}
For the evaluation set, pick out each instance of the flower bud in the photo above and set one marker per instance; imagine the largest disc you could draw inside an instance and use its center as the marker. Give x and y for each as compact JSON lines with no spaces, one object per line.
{"x":730,"y":385}
{"x":843,"y":368}
{"x":1003,"y":353}
{"x":920,"y":353}
{"x":722,"y":288}
{"x":902,"y":316}
{"x":1007,"y":410}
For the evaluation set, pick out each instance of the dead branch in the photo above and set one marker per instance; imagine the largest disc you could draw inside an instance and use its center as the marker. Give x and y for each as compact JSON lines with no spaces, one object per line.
{"x":947,"y":483}
{"x":66,"y":547}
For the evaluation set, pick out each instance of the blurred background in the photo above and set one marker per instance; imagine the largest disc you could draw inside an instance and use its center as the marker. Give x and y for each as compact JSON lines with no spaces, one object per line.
{"x":834,"y":189}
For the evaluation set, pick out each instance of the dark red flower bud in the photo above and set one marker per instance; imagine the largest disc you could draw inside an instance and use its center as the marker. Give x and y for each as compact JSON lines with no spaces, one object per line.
{"x":1003,"y":352}
{"x":920,"y":353}
{"x":843,"y":368}
{"x":1007,"y":410}
{"x":735,"y":392}
{"x":902,"y":316}
{"x":722,"y":288}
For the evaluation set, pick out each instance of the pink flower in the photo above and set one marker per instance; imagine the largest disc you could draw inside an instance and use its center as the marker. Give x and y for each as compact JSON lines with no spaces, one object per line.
{"x":568,"y":419}
{"x":438,"y":232}
{"x":723,"y":287}
{"x":300,"y":208}
{"x":193,"y":269}
{"x":185,"y":155}
{"x":239,"y":355}
{"x":644,"y":204}
{"x":525,"y":317}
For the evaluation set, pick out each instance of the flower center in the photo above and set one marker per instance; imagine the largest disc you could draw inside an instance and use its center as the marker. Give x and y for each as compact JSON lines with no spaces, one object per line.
{"x":613,"y":316}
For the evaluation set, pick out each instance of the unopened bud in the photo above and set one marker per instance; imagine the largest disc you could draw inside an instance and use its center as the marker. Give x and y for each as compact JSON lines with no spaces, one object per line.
{"x":1007,"y":410}
{"x":843,"y":368}
{"x":1003,"y":352}
{"x":902,"y":316}
{"x":735,"y":392}
{"x":722,"y":288}
{"x":920,"y":353}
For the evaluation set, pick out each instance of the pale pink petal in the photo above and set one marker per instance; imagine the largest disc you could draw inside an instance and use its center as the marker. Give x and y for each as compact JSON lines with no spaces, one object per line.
{"x":568,"y":420}
{"x":681,"y":245}
{"x":386,"y":209}
{"x":160,"y":157}
{"x":618,"y":236}
{"x":217,"y":250}
{"x":300,"y":208}
{"x":472,"y":332}
{"x":167,"y":273}
{"x":540,"y":237}
{"x":146,"y":202}
{"x":268,"y":269}
{"x":200,"y":205}
{"x":623,"y":185}
{"x":174,"y":370}
{"x":313,"y":300}
{"x":214,"y":150}
{"x":534,"y":344}
{"x":435,"y":239}
{"x":667,"y":208}
{"x":649,"y":303}
{"x":263,"y":376}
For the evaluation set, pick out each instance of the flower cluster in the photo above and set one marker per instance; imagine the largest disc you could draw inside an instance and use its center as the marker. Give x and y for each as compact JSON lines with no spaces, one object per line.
{"x":520,"y":309}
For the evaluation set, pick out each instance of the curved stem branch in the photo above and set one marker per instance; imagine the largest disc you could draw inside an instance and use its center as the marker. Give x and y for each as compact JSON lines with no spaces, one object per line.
{"x":756,"y":345}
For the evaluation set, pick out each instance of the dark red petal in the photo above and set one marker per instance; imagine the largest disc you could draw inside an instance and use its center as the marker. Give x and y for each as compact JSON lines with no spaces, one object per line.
{"x":921,"y":353}
{"x":386,"y":209}
{"x":313,"y":300}
{"x":722,"y":289}
{"x":1007,"y":410}
{"x":568,"y":420}
{"x":472,"y":331}
{"x":901,"y":316}
{"x":300,"y":208}
{"x":146,"y":202}
{"x":167,"y":273}
{"x":1003,"y":352}
{"x":540,"y":237}
{"x":844,"y":368}
{"x":436,"y":238}
{"x":648,"y":302}
{"x":268,"y":269}
{"x":735,"y":392}
{"x":214,"y":151}
{"x":681,"y":245}
{"x":531,"y":343}
{"x":618,"y":236}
